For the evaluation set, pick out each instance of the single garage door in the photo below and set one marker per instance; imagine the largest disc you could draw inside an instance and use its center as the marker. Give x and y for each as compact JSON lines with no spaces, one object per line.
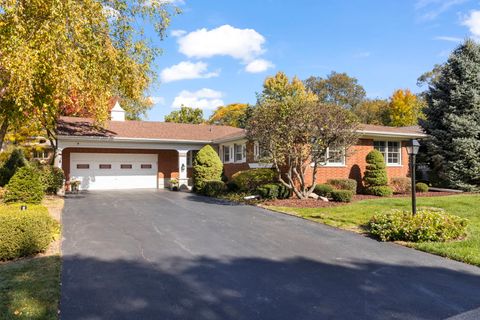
{"x":105,"y":171}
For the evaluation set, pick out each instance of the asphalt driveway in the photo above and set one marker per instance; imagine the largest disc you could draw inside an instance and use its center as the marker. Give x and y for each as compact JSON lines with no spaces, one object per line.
{"x":168,"y":255}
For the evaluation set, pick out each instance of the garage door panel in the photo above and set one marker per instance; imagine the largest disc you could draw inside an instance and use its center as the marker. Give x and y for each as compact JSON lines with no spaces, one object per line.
{"x":114,"y":171}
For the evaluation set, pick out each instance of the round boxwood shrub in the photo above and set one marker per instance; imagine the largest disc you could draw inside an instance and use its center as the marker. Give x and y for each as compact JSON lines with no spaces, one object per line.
{"x":274,"y":191}
{"x":380,"y":191}
{"x":427,"y":225}
{"x":376,"y":175}
{"x":401,"y":185}
{"x":323,"y":190}
{"x":344,"y":184}
{"x":25,"y":186}
{"x":206,"y":166}
{"x":213,"y":188}
{"x":342,"y":195}
{"x":23,"y":233}
{"x":249,"y":180}
{"x":52,"y":179}
{"x":421,"y":187}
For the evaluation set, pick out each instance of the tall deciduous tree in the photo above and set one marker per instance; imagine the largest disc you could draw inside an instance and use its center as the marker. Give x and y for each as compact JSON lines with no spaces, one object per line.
{"x":453,"y":118}
{"x":234,"y":115}
{"x":373,"y":111}
{"x":404,"y":109}
{"x":337,"y":88}
{"x":75,"y":55}
{"x":295,"y":131}
{"x":186,"y":115}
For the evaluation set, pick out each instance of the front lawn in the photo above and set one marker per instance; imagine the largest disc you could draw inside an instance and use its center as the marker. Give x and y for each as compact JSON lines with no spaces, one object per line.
{"x":30,"y":287}
{"x":354,"y":216}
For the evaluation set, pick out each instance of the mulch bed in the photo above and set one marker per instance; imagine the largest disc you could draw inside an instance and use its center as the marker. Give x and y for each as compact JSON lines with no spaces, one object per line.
{"x":312,"y":203}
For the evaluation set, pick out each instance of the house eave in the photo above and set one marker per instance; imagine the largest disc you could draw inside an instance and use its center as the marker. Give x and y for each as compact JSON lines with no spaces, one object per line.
{"x":128,"y":139}
{"x":382,"y":134}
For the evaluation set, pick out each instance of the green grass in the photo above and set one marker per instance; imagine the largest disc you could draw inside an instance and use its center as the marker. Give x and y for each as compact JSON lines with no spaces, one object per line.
{"x":354,"y":216}
{"x":30,"y":289}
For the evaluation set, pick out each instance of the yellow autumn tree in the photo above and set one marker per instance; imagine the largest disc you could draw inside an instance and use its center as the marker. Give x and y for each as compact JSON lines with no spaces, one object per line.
{"x":404,"y":109}
{"x":234,"y":115}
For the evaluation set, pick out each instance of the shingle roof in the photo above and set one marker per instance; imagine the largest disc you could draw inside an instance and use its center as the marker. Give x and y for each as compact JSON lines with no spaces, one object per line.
{"x":84,"y":127}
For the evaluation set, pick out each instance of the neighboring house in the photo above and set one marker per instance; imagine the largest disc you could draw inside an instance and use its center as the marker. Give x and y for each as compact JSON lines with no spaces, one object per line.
{"x":141,"y":154}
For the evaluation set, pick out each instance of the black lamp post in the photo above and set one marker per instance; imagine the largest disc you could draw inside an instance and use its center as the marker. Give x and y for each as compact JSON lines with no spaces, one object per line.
{"x":412,"y":149}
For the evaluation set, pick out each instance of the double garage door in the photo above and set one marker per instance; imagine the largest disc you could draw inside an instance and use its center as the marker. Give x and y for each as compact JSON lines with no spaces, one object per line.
{"x":106,"y":171}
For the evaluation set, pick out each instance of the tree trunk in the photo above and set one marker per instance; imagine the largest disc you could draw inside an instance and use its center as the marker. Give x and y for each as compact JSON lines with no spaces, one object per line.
{"x":3,"y":132}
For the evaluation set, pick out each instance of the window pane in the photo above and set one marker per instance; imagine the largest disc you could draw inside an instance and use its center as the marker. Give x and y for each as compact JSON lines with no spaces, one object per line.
{"x":335,"y":156}
{"x":226,"y":153}
{"x":146,"y":166}
{"x":380,"y":146}
{"x":238,"y":152}
{"x":125,"y":166}
{"x":105,"y":166}
{"x":83,"y":166}
{"x":393,"y":156}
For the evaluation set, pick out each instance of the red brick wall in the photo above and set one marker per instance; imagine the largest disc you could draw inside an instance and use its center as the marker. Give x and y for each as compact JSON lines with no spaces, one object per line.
{"x":354,"y":167}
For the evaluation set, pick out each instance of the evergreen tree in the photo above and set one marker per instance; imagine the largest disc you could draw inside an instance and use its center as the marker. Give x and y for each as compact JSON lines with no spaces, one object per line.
{"x":453,"y":118}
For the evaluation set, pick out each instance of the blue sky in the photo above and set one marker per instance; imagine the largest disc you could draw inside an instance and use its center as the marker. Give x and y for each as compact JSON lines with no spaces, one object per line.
{"x":220,"y":51}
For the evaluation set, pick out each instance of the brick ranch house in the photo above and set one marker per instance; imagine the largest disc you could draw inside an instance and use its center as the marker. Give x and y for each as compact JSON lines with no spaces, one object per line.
{"x":141,"y":154}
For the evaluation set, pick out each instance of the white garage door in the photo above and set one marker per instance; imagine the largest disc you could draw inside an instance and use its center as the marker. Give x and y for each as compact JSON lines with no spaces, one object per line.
{"x":105,"y":171}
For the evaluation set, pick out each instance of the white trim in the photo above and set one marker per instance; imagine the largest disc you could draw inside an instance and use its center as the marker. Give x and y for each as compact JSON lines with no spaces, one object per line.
{"x":391,"y":134}
{"x":115,"y":144}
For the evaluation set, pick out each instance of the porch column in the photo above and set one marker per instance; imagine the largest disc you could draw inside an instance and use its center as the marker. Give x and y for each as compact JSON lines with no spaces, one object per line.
{"x":182,"y":169}
{"x":57,"y":161}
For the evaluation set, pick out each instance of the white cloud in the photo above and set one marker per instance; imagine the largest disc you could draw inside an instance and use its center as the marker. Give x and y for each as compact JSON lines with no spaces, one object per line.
{"x":431,"y":9}
{"x":242,"y":44}
{"x":472,"y":21}
{"x":187,"y":70}
{"x":204,"y":99}
{"x":156,"y":100}
{"x":451,"y":39}
{"x":178,"y":33}
{"x":258,"y":65}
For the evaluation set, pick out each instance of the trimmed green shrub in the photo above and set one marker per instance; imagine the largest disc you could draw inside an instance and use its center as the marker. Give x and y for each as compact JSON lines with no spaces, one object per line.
{"x":52,"y":179}
{"x":401,"y":185}
{"x":427,"y":225}
{"x":274,"y":191}
{"x":15,"y":161}
{"x":23,"y":233}
{"x":323,"y":190}
{"x":249,"y":180}
{"x":268,"y":191}
{"x":213,"y":188}
{"x":342,"y":195}
{"x":421,"y":187}
{"x":380,"y":191}
{"x":206,"y":166}
{"x":25,"y":186}
{"x":376,"y":179}
{"x":344,"y":184}
{"x":284,"y":192}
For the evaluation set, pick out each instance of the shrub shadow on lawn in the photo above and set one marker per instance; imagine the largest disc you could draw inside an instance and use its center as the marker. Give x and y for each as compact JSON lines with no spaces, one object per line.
{"x":257,"y":288}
